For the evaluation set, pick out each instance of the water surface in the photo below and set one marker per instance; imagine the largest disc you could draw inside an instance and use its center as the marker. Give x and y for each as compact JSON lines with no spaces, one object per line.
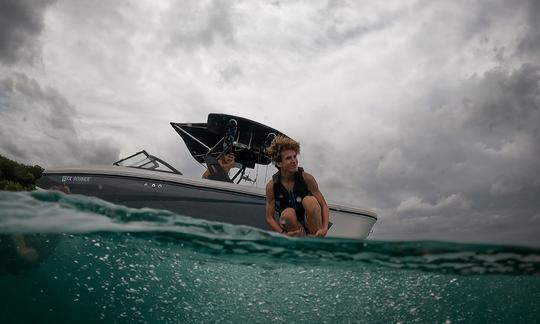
{"x":101,"y":262}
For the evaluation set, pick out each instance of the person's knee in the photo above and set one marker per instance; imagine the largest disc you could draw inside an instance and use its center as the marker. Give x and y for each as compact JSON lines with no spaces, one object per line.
{"x":288,"y":216}
{"x":311,"y":205}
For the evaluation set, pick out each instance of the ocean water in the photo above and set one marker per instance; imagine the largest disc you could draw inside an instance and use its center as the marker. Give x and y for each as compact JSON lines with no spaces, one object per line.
{"x":89,"y":261}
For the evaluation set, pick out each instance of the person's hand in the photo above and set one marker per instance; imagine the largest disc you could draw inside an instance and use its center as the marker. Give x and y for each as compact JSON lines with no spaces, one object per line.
{"x":297,"y":233}
{"x":321,"y":233}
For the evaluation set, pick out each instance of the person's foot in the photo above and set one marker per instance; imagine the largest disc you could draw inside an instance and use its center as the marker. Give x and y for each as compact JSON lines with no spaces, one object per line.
{"x":28,"y":255}
{"x":297,"y":233}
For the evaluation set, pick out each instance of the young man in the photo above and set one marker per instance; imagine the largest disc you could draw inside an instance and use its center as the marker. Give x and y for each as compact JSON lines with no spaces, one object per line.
{"x":294,"y":194}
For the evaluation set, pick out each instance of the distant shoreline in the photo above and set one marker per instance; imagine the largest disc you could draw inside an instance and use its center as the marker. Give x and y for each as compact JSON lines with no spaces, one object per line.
{"x":15,"y":176}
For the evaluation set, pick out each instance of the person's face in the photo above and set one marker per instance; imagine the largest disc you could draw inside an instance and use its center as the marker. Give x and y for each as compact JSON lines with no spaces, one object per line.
{"x":227,"y":161}
{"x":289,"y":161}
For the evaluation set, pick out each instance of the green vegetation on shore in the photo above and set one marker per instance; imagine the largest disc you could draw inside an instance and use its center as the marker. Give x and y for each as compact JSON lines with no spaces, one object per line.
{"x":18,"y":177}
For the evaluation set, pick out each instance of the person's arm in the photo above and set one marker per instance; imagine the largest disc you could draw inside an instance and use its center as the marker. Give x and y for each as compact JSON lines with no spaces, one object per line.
{"x":206,"y":174}
{"x":313,"y":187}
{"x":271,"y":209}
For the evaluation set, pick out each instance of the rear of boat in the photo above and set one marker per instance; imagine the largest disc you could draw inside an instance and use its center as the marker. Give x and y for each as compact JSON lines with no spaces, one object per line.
{"x":350,"y":221}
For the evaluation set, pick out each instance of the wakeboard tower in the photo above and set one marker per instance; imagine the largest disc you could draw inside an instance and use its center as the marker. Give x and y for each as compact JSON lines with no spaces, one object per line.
{"x":227,"y":134}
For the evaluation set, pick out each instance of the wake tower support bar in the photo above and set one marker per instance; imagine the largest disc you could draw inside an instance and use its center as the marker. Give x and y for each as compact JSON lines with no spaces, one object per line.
{"x":228,"y":141}
{"x":216,"y":171}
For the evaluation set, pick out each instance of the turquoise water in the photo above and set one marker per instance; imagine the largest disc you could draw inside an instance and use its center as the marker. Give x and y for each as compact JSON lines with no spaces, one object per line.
{"x":99,"y":262}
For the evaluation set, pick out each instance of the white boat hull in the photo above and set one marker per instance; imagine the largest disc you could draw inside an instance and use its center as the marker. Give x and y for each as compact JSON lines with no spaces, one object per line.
{"x":206,"y":199}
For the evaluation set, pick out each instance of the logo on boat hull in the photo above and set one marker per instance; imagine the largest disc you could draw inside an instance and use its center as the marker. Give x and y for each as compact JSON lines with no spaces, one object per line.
{"x":76,"y":179}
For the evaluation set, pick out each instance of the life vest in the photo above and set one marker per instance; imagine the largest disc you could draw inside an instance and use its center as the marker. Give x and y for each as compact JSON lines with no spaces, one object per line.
{"x":284,"y":199}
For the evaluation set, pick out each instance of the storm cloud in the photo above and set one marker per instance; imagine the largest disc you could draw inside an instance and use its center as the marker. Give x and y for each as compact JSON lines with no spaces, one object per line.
{"x":467,"y":165}
{"x":39,"y":125}
{"x":21,"y":22}
{"x":198,"y":23}
{"x":426,"y":111}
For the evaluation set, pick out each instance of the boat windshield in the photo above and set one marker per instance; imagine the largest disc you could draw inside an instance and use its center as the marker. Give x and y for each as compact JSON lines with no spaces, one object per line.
{"x":143,"y":160}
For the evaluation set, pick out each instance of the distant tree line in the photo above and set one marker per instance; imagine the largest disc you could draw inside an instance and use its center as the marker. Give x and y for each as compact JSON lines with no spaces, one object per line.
{"x":18,"y":177}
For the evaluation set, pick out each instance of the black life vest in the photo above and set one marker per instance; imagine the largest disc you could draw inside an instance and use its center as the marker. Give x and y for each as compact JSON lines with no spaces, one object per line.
{"x":284,"y":199}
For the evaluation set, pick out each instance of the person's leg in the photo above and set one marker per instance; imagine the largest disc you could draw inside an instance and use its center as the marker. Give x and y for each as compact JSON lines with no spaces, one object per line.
{"x":289,"y":221}
{"x":24,"y":252}
{"x":313,"y":217}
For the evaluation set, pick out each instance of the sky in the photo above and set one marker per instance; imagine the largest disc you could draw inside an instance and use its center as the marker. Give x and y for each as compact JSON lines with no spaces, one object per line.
{"x":427,"y":112}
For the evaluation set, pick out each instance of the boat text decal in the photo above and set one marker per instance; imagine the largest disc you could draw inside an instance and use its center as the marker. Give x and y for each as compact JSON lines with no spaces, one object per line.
{"x":75,"y":179}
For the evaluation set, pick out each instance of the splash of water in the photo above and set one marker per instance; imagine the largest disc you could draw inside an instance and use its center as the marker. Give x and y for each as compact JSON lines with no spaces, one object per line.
{"x":53,"y":212}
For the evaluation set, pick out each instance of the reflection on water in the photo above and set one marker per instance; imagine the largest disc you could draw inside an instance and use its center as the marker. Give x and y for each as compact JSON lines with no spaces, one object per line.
{"x":97,"y":261}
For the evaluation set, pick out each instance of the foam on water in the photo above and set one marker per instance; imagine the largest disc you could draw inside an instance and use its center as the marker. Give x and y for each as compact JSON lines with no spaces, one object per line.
{"x":99,"y":261}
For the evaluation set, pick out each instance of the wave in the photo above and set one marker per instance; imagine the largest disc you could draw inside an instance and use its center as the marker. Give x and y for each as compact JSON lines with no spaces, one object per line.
{"x":54,"y":212}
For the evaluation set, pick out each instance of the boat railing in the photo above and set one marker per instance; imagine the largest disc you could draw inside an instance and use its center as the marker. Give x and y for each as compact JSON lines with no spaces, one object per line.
{"x":143,"y":160}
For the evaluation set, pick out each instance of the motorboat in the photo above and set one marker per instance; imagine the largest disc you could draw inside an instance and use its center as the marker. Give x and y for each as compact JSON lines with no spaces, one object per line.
{"x":143,"y":180}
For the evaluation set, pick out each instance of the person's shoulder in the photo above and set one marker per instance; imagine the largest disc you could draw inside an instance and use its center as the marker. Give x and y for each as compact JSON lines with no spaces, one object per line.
{"x":307,"y":176}
{"x":310,"y":181}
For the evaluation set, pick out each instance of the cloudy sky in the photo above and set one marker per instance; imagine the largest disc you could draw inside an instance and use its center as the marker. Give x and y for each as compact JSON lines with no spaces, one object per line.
{"x":426,"y":111}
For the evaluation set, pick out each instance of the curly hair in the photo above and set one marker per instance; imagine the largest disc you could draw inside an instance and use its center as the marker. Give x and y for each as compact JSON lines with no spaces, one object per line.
{"x":280,"y":144}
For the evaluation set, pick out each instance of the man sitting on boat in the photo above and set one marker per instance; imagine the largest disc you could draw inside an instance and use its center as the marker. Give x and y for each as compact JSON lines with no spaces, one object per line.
{"x":294,"y":194}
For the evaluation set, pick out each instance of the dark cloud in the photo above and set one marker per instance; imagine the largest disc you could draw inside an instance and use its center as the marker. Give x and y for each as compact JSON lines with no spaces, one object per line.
{"x":13,"y":150}
{"x":341,"y":35}
{"x":230,"y":72}
{"x":21,"y":22}
{"x":339,"y":28}
{"x":40,"y":126}
{"x":503,"y":105}
{"x":469,"y":163}
{"x":462,"y":167}
{"x":199,"y":24}
{"x":529,"y":45}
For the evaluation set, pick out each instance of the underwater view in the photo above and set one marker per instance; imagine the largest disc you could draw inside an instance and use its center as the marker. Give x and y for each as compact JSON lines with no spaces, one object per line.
{"x":77,"y":259}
